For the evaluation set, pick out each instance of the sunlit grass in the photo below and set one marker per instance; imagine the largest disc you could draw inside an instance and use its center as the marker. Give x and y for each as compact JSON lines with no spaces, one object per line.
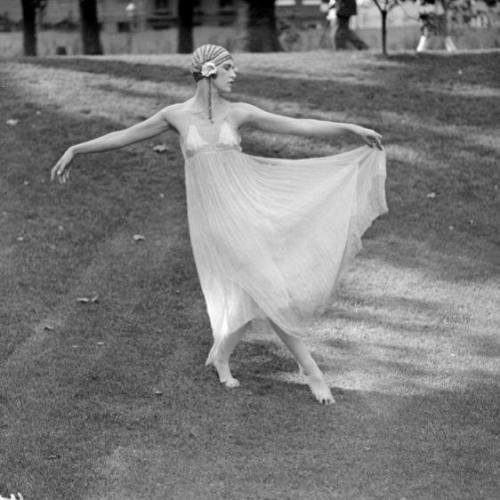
{"x":410,"y":347}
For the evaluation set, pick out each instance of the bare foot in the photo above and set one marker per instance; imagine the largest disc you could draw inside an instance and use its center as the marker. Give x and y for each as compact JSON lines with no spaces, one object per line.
{"x":230,"y":382}
{"x":223,"y":370}
{"x":320,"y":389}
{"x":224,"y":373}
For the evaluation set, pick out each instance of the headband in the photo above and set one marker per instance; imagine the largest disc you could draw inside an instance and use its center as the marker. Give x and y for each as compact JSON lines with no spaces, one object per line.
{"x":206,"y":58}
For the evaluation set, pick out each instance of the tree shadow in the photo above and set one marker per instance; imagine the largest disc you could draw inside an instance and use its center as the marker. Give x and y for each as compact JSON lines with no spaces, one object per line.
{"x":405,"y":345}
{"x":277,"y":443}
{"x":379,"y":89}
{"x":89,"y":418}
{"x":459,"y":186}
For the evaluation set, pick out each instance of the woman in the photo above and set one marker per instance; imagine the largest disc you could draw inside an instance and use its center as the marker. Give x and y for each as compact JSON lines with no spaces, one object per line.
{"x":269,"y":236}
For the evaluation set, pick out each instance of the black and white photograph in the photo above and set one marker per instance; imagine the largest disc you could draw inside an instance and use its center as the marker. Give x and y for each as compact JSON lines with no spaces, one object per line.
{"x":249,"y":249}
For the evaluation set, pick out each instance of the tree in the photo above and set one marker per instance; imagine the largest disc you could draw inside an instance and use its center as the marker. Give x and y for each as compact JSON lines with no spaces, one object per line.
{"x":185,"y":27}
{"x":261,"y":26}
{"x":89,"y":26}
{"x":385,"y":6}
{"x":30,"y":9}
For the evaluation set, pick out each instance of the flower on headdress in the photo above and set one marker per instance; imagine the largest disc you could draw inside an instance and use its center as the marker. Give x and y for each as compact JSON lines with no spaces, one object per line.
{"x":208,"y":69}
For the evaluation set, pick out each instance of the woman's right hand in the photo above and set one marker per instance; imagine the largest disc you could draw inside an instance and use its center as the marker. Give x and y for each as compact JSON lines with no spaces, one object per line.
{"x":61,"y":168}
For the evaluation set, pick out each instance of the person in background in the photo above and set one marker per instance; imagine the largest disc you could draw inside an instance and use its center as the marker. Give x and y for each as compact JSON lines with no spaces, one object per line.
{"x":339,"y":13}
{"x":432,"y":15}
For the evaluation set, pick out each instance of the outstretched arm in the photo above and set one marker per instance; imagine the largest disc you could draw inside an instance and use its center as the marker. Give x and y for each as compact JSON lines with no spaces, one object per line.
{"x":114,"y":140}
{"x":270,"y":122}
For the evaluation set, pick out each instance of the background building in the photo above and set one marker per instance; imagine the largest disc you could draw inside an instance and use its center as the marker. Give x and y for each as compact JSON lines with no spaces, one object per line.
{"x":162,"y":14}
{"x":152,"y":27}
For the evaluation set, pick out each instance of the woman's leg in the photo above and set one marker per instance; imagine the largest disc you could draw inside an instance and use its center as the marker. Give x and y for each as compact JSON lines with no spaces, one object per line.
{"x":220,"y":353}
{"x":314,"y":376}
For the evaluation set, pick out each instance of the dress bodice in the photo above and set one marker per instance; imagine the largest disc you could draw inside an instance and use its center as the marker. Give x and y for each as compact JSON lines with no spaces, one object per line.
{"x":209,"y":137}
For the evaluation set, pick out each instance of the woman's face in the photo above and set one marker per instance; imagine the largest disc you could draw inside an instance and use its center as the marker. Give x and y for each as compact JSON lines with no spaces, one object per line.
{"x":226,"y":74}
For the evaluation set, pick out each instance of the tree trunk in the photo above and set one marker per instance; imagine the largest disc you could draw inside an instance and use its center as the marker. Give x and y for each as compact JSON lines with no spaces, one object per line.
{"x":185,"y":26}
{"x":261,"y":27}
{"x":29,"y":27}
{"x":384,"y":31}
{"x":89,"y":26}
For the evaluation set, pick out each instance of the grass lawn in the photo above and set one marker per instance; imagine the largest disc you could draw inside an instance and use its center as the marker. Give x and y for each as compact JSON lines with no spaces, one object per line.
{"x":110,"y":399}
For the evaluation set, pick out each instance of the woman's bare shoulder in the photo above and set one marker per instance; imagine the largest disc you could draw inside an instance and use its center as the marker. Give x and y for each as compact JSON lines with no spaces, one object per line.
{"x":241,"y":106}
{"x":173,"y":110}
{"x":174,"y":113}
{"x":242,"y":112}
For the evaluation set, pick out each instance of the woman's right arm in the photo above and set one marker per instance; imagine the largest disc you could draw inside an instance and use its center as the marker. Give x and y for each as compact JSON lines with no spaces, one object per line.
{"x":146,"y":129}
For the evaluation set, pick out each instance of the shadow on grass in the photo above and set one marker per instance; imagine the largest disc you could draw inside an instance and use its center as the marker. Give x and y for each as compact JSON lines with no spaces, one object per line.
{"x":460,"y":171}
{"x":114,"y":398}
{"x":382,"y":89}
{"x":228,"y":443}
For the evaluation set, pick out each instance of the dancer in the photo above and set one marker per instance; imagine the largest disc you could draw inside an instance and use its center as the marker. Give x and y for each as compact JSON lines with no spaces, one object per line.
{"x":269,"y":236}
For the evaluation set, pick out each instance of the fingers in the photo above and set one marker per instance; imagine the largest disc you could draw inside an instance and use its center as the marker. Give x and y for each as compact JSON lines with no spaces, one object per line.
{"x":61,"y":172}
{"x":57,"y":170}
{"x":53,"y":172}
{"x":372,"y":138}
{"x":378,"y":143}
{"x":63,"y":176}
{"x":61,"y":169}
{"x":375,"y":141}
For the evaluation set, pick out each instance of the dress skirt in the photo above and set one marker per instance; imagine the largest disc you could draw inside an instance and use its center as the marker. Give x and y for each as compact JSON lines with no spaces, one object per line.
{"x":271,"y":237}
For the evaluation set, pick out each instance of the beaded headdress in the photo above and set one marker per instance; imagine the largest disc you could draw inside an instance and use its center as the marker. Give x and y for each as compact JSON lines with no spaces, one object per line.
{"x":204,"y":64}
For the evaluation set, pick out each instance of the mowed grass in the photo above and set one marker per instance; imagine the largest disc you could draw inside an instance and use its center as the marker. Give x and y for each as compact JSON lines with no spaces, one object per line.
{"x":110,"y":399}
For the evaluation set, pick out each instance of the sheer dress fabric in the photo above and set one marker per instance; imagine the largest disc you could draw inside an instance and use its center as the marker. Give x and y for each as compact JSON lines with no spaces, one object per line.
{"x":271,"y":237}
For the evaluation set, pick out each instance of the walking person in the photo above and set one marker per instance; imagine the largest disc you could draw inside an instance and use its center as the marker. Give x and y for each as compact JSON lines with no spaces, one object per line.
{"x":345,"y":38}
{"x":270,"y":237}
{"x":433,"y":22}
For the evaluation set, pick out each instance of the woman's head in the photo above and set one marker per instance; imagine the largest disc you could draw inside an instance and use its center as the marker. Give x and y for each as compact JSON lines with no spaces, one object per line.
{"x":215,"y":63}
{"x":208,"y":55}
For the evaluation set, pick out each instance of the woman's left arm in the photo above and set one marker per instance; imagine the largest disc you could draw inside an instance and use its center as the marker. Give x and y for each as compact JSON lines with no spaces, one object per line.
{"x":270,"y":122}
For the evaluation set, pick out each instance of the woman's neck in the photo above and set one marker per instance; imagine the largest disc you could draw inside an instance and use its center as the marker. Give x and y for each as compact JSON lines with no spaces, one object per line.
{"x":200,"y":99}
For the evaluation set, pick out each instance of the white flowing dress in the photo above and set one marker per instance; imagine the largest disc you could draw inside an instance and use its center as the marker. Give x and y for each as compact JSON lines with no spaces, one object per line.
{"x":271,"y":237}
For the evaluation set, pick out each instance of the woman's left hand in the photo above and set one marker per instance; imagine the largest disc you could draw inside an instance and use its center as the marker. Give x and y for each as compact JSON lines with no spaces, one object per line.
{"x":372,"y":138}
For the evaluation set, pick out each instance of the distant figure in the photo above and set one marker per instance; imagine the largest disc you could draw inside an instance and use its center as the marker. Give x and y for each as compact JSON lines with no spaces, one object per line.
{"x":344,"y":37}
{"x":432,"y":15}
